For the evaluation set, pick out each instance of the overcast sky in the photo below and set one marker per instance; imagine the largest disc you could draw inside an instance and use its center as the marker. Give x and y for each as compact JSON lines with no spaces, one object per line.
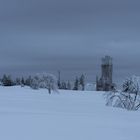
{"x":69,"y":35}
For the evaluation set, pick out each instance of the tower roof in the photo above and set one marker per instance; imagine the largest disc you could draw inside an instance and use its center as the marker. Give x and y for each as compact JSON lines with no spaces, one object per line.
{"x":107,"y":60}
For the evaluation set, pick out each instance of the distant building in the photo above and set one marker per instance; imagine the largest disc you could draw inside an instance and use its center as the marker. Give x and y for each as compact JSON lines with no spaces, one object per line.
{"x":105,"y":82}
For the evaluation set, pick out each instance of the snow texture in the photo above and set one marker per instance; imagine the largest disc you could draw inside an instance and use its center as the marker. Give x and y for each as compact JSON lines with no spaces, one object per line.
{"x":27,"y":114}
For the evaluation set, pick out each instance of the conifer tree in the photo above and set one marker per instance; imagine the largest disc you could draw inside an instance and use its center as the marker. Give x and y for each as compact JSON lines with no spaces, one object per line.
{"x":82,"y":81}
{"x":28,"y":81}
{"x":22,"y":82}
{"x":76,"y":84}
{"x":6,"y":80}
{"x":17,"y":82}
{"x":69,"y":85}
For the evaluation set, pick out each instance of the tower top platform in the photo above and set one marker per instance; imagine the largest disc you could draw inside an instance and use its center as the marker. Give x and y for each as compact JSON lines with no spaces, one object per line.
{"x":107,"y":60}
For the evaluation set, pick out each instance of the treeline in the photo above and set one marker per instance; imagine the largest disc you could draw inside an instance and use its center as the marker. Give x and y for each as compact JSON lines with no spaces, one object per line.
{"x":7,"y":80}
{"x":77,"y":84}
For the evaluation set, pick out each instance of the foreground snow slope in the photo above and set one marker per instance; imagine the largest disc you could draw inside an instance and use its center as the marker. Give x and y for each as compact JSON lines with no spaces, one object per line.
{"x":27,"y":114}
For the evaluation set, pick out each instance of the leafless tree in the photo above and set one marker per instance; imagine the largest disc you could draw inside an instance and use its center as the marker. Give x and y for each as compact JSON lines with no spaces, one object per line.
{"x":128,"y":97}
{"x":44,"y":80}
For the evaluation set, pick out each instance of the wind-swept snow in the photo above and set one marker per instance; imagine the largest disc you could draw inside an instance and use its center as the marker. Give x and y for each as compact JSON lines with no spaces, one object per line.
{"x":27,"y":114}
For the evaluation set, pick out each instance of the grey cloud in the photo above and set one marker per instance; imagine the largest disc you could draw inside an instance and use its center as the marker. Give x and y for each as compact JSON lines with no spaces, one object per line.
{"x":39,"y":35}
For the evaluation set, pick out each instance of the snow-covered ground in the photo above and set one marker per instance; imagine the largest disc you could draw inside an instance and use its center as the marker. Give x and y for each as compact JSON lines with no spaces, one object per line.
{"x":27,"y":114}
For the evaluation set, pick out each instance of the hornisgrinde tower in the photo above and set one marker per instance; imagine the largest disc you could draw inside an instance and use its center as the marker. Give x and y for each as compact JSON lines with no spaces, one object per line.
{"x":105,"y":82}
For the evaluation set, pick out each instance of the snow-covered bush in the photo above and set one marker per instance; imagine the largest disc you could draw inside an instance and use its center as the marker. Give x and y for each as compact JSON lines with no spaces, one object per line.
{"x":44,"y":80}
{"x":128,"y":97}
{"x":35,"y":82}
{"x":90,"y":87}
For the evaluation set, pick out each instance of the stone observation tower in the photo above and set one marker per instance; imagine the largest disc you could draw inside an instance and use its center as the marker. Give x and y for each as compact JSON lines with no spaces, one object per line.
{"x":105,"y":82}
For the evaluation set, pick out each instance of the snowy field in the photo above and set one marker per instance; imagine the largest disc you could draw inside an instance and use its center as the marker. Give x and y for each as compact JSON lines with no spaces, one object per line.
{"x":27,"y":114}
